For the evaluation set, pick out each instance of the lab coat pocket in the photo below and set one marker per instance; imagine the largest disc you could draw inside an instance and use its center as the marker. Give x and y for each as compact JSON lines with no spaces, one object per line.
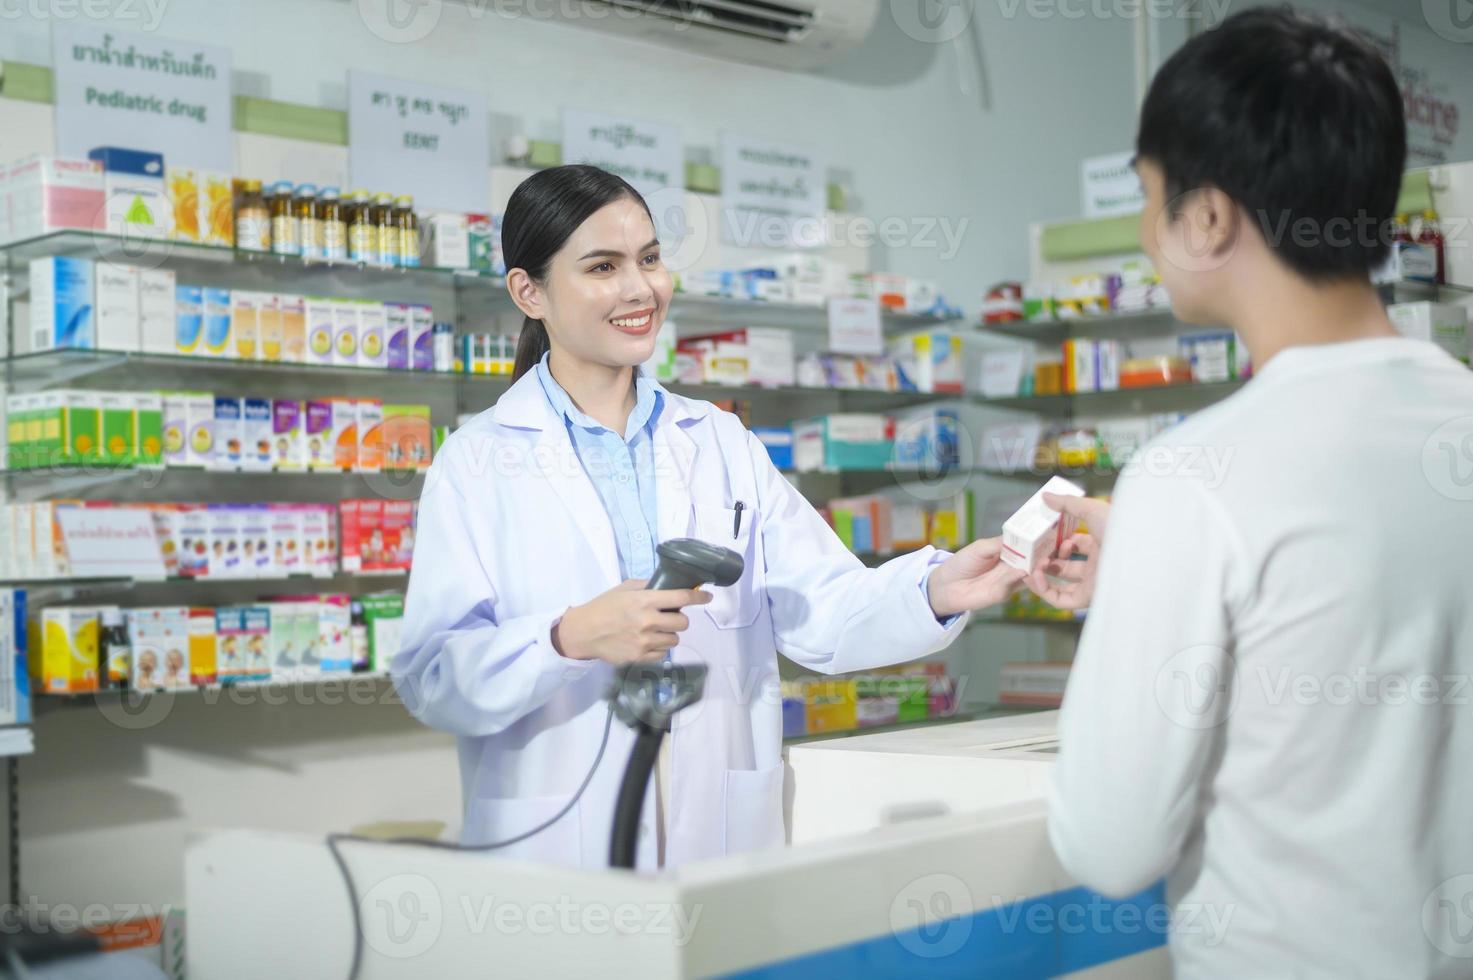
{"x":733,"y":606}
{"x":491,"y":819}
{"x":754,"y":809}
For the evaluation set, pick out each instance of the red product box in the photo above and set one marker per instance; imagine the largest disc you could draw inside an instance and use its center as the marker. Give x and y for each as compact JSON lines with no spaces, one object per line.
{"x":371,"y":534}
{"x":349,"y":512}
{"x":398,"y":529}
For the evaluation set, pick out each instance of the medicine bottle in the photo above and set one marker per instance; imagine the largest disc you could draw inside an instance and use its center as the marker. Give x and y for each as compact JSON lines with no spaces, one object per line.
{"x":331,"y":226}
{"x":386,"y":233}
{"x":252,"y":219}
{"x":284,"y":236}
{"x":408,"y":227}
{"x":309,"y":229}
{"x":361,"y":235}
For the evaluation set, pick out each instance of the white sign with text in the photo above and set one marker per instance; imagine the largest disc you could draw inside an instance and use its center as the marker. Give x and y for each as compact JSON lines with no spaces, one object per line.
{"x":855,"y":326}
{"x":1111,"y":186}
{"x":427,"y":140}
{"x":142,"y":92}
{"x":773,"y":195}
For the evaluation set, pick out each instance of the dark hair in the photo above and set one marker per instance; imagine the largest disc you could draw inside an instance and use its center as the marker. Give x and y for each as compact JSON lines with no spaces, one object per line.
{"x":542,"y":214}
{"x":1297,"y":119}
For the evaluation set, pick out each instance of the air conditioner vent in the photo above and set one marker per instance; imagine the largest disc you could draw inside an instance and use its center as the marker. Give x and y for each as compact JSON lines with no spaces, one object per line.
{"x":778,"y":23}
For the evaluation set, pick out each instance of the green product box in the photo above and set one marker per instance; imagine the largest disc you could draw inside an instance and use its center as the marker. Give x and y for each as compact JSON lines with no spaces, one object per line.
{"x":119,"y":420}
{"x":383,"y":616}
{"x":148,"y":437}
{"x":844,"y":526}
{"x":65,"y":429}
{"x":18,"y":409}
{"x":915,"y":699}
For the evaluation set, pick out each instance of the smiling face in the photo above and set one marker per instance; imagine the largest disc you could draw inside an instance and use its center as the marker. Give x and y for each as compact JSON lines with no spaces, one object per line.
{"x":606,"y":291}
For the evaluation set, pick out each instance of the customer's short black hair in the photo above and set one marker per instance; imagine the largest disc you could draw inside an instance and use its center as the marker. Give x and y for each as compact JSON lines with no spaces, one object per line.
{"x":1297,"y":119}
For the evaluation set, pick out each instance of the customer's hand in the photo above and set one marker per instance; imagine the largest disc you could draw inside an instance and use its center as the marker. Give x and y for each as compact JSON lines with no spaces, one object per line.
{"x":1062,"y":581}
{"x":627,"y":624}
{"x":973,"y":578}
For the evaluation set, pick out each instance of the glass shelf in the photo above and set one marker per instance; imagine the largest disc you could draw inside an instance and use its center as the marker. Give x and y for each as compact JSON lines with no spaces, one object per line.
{"x":723,"y":311}
{"x":326,"y":681}
{"x":1123,"y":401}
{"x":1104,"y":325}
{"x":159,"y":252}
{"x":128,"y":581}
{"x":55,"y":367}
{"x":975,"y":713}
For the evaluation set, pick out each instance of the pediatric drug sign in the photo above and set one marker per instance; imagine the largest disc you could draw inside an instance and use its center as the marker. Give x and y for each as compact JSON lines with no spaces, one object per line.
{"x":142,"y":91}
{"x":773,"y":196}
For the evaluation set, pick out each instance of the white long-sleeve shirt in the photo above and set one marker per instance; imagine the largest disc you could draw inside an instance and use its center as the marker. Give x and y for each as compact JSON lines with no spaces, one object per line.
{"x":1271,"y":703}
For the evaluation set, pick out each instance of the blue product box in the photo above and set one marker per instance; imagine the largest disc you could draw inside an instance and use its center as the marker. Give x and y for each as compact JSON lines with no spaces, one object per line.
{"x":22,"y":668}
{"x":215,"y":334}
{"x":63,"y":313}
{"x":121,"y":160}
{"x":930,"y":442}
{"x":778,"y":440}
{"x":189,"y":319}
{"x":794,"y":718}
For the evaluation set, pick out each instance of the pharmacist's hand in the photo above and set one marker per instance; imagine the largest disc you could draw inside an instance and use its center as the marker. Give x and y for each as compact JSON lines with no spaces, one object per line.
{"x":1067,"y":580}
{"x":627,"y":624}
{"x":973,"y":578}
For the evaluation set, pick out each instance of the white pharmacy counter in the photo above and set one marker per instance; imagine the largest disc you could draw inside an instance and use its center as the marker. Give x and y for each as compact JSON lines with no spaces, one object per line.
{"x":920,"y":852}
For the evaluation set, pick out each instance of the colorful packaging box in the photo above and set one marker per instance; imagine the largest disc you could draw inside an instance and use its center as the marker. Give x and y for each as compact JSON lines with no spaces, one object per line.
{"x":256,"y":642}
{"x":832,"y":706}
{"x":370,"y":454}
{"x":223,"y":534}
{"x":48,"y":194}
{"x":268,"y":327}
{"x":397,"y":524}
{"x":203,"y":646}
{"x":188,"y":425}
{"x":370,"y":534}
{"x":256,"y":558}
{"x":256,"y":435}
{"x":136,"y":199}
{"x":318,"y":434}
{"x":406,"y":437}
{"x":1036,"y":530}
{"x":333,"y":634}
{"x":228,"y":433}
{"x":182,"y":187}
{"x":282,"y":641}
{"x":216,"y":339}
{"x":286,"y":539}
{"x":348,"y":528}
{"x":371,"y":340}
{"x":62,"y":304}
{"x":119,"y":421}
{"x":344,"y":434}
{"x":193,"y":524}
{"x":345,"y":333}
{"x":67,"y":640}
{"x":148,"y":415}
{"x":321,"y":322}
{"x":189,"y":321}
{"x":217,"y":209}
{"x":232,"y":658}
{"x":288,"y":440}
{"x":383,"y":620}
{"x":245,"y":324}
{"x":421,"y":338}
{"x":293,"y":314}
{"x":319,"y":538}
{"x":160,"y":637}
{"x":396,"y":331}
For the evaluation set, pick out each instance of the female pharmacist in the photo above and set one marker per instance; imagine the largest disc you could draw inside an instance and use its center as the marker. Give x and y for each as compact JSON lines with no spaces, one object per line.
{"x":538,"y":526}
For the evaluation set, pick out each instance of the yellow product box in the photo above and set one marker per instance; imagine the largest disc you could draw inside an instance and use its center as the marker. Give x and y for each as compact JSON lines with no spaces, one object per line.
{"x":245,"y":324}
{"x":202,"y":645}
{"x":293,"y":328}
{"x":217,"y":208}
{"x":268,"y":321}
{"x":66,"y":637}
{"x":182,"y":187}
{"x":832,"y":706}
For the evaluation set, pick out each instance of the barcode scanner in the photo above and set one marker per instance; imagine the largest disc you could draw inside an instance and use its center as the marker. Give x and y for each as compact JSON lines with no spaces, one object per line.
{"x":646,"y":696}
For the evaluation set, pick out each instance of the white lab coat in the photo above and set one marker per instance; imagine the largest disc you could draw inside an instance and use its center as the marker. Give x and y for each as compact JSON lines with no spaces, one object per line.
{"x":512,"y":532}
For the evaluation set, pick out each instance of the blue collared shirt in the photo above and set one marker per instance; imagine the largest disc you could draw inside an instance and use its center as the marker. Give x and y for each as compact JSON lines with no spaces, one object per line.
{"x":620,"y":466}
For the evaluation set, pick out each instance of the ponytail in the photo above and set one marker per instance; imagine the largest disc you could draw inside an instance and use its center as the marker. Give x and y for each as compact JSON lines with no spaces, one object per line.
{"x":531,"y":345}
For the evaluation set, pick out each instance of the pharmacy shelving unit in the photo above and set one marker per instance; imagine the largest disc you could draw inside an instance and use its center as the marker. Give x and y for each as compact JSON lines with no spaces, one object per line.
{"x":473,"y":302}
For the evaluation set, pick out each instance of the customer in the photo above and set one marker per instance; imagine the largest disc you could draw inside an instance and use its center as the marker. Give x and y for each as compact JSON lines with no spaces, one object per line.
{"x":1270,"y":703}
